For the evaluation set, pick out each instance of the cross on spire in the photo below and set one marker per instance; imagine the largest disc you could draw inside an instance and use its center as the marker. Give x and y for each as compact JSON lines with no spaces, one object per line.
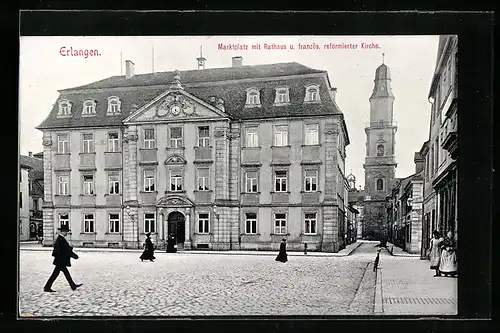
{"x":383,"y":56}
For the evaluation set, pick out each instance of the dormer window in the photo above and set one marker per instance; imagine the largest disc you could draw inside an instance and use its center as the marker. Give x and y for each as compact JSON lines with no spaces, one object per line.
{"x":253,"y":97}
{"x":312,"y":93}
{"x":282,"y":96}
{"x":114,"y":105}
{"x":88,"y":107}
{"x":64,"y":108}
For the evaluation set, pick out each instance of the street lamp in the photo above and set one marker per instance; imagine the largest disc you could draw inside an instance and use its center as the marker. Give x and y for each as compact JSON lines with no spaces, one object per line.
{"x":216,"y":213}
{"x":132,"y":217}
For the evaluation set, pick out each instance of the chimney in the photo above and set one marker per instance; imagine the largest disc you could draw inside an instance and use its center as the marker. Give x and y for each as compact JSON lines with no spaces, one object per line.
{"x":333,"y":93}
{"x":213,"y":100}
{"x":30,"y":154}
{"x":129,"y":69}
{"x":419,"y":162}
{"x":237,"y":61}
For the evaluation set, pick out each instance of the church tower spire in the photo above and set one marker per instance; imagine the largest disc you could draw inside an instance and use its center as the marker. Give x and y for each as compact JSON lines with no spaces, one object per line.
{"x":380,"y":161}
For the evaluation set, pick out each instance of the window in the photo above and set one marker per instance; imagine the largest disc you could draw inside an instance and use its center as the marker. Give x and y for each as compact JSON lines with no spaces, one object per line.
{"x":35,"y":204}
{"x":88,"y":107}
{"x":88,"y":223}
{"x":311,"y":181}
{"x":252,"y":137}
{"x":281,"y":135}
{"x":380,"y":150}
{"x":253,"y":97}
{"x":251,"y":181}
{"x":149,"y":222}
{"x":310,"y":223}
{"x":113,"y":142}
{"x":203,"y":223}
{"x":280,"y":223}
{"x":203,"y":136}
{"x":312,"y":93}
{"x":62,"y":144}
{"x":149,"y":138}
{"x":149,"y":181}
{"x":114,"y":184}
{"x":64,"y":108}
{"x":280,"y":183}
{"x":251,"y":223}
{"x":114,"y":105}
{"x":380,"y":185}
{"x":88,"y":184}
{"x":21,"y":200}
{"x":282,"y":95}
{"x":203,"y":179}
{"x":312,"y":131}
{"x":63,"y":185}
{"x":64,"y":220}
{"x":431,"y":156}
{"x":175,"y":179}
{"x":176,"y":137}
{"x":436,"y":151}
{"x":88,"y":143}
{"x":114,"y":223}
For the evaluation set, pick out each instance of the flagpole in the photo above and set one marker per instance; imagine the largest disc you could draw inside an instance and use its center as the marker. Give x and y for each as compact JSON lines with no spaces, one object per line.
{"x":121,"y":64}
{"x":153,"y":55}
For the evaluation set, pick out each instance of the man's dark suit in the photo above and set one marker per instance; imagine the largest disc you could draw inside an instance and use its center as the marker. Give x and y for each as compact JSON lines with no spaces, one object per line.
{"x":62,"y":254}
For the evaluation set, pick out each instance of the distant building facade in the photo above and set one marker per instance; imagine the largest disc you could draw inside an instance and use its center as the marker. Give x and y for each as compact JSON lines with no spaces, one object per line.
{"x":226,"y":158}
{"x":31,"y":197}
{"x":404,"y":209}
{"x":441,"y":150}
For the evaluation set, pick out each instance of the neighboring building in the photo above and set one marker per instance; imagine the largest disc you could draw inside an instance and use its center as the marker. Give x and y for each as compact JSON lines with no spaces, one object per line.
{"x":404,"y":209}
{"x":34,"y":227}
{"x":356,"y":199}
{"x":380,"y":163}
{"x":24,"y":207}
{"x":441,"y":150}
{"x":244,"y":155}
{"x":352,"y":218}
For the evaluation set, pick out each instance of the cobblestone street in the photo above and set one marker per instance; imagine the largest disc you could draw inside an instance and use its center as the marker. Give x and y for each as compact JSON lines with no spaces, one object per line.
{"x":119,"y":284}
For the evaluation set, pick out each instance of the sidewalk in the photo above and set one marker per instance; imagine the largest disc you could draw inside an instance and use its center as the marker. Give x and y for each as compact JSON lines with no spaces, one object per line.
{"x":408,"y":287}
{"x":397,"y":251}
{"x":345,"y":252}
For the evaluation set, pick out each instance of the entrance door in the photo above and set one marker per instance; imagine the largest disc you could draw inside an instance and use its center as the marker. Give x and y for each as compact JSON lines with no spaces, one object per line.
{"x":32,"y":230}
{"x":176,"y":226}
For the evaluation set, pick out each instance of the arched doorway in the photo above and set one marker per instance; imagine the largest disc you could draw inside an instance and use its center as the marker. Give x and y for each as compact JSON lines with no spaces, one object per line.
{"x":176,"y":226}
{"x":33,"y":230}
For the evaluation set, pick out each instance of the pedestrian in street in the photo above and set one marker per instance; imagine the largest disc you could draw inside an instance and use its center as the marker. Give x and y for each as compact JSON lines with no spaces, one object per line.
{"x":149,"y":250}
{"x":448,"y":263}
{"x":435,"y":252}
{"x":282,"y":256}
{"x":62,"y":253}
{"x":171,"y":246}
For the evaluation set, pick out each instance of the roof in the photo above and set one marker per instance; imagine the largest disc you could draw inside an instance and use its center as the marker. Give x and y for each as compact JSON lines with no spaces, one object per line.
{"x":203,"y":75}
{"x":232,"y":92}
{"x":443,"y":39}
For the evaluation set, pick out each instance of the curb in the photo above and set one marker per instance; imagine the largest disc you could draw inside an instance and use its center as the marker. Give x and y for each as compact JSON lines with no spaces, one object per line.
{"x":252,"y":253}
{"x":378,"y":308}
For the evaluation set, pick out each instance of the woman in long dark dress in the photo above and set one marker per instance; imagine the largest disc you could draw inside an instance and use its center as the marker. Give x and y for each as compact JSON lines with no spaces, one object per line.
{"x":282,"y":256}
{"x":149,"y":250}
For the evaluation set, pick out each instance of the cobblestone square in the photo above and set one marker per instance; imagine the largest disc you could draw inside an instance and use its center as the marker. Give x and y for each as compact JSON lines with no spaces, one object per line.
{"x":119,"y":284}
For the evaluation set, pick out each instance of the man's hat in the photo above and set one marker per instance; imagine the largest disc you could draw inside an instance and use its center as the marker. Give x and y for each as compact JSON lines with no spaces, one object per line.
{"x":148,"y":234}
{"x":63,"y":227}
{"x":284,"y":239}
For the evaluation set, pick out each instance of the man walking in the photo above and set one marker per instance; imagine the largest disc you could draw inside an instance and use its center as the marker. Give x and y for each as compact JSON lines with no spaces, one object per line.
{"x":62,"y":253}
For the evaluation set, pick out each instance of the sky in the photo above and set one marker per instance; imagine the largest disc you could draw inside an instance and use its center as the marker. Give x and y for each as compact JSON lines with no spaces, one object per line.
{"x":411,"y":59}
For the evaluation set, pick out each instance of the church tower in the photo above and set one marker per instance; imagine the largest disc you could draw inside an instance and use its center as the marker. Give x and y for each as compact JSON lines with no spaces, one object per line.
{"x":380,"y":162}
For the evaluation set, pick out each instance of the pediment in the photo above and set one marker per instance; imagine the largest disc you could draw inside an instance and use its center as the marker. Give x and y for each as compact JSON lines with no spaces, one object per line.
{"x":174,"y":201}
{"x":175,"y":105}
{"x":175,"y":159}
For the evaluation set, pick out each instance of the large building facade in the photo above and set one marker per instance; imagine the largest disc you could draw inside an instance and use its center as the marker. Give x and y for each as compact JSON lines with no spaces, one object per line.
{"x":380,"y":162}
{"x":225,"y":158}
{"x":31,"y":197}
{"x":441,"y":150}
